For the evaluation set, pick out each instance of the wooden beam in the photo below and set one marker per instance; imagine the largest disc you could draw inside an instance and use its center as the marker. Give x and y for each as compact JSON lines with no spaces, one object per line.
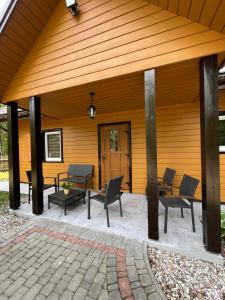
{"x":36,"y":155}
{"x":210,"y":153}
{"x":151,"y":151}
{"x":13,"y":155}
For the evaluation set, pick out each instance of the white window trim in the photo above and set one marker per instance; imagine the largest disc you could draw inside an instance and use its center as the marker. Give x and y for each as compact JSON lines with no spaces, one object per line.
{"x":53,"y":159}
{"x":222,"y":148}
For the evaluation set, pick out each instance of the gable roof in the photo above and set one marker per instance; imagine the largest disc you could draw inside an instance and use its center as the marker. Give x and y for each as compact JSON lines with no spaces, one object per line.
{"x":107,"y":38}
{"x":210,"y":13}
{"x":24,"y":25}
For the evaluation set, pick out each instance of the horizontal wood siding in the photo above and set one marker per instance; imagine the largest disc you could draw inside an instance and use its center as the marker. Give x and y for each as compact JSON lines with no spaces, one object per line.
{"x":178,"y":133}
{"x":108,"y":39}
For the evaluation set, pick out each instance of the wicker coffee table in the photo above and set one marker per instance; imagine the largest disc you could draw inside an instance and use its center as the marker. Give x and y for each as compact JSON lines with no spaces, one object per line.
{"x":64,"y":200}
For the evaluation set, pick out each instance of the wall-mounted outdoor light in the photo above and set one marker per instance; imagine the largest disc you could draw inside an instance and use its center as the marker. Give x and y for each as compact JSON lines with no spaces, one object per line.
{"x":72,"y":5}
{"x":92,"y":109}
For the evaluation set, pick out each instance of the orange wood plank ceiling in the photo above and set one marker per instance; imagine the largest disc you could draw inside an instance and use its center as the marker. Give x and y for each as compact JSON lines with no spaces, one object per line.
{"x":19,"y":34}
{"x":109,"y":39}
{"x":210,"y":13}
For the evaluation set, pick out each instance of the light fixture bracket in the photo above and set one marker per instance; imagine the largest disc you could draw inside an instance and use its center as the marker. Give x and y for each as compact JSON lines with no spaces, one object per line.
{"x":72,"y":6}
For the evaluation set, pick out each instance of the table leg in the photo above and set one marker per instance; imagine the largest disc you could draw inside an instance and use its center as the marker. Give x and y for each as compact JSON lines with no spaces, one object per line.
{"x":65,"y":208}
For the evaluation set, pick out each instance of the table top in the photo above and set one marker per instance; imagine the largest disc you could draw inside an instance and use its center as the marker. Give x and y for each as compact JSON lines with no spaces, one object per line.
{"x":73,"y":193}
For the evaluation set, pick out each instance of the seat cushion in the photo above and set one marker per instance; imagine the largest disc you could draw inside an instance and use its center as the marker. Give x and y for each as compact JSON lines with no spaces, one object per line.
{"x":174,"y":202}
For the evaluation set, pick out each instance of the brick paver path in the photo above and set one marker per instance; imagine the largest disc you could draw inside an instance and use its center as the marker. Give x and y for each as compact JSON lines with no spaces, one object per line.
{"x":50,"y":260}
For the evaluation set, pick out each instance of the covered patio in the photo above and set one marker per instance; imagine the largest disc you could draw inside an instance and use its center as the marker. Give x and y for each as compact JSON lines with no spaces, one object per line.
{"x":134,"y":223}
{"x":163,"y":110}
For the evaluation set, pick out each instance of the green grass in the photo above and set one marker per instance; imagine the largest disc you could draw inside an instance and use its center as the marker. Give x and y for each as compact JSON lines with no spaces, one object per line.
{"x":4,"y":199}
{"x":4,"y":176}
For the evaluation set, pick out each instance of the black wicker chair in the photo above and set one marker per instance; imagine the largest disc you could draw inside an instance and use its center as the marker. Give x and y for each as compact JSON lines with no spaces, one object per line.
{"x":81,"y":174}
{"x":166,"y":183}
{"x":183,"y":200}
{"x":112,"y":193}
{"x":45,"y":186}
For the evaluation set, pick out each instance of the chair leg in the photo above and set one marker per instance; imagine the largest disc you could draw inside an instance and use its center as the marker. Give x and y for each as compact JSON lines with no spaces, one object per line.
{"x":182,"y":212}
{"x":107,"y":215}
{"x":121,"y":211}
{"x":166,"y":219}
{"x":193,"y":218}
{"x":89,"y":205}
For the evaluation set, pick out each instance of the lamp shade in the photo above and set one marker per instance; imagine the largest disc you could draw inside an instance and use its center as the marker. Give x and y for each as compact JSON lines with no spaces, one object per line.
{"x":92,"y":111}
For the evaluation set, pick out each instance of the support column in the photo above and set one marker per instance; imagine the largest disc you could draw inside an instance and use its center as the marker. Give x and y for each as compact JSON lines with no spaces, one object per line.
{"x":13,"y":154}
{"x":210,"y":153}
{"x":151,"y":151}
{"x":36,"y":155}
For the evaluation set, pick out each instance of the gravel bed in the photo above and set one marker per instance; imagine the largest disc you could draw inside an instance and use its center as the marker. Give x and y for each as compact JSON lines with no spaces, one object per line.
{"x":183,"y":278}
{"x":8,"y":221}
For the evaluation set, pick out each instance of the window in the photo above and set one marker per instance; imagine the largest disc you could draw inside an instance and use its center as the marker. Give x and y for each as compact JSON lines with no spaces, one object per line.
{"x":114,"y":140}
{"x":53,"y":145}
{"x":222,"y":132}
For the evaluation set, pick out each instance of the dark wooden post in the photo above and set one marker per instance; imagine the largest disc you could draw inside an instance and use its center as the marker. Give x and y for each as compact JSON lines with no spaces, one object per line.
{"x":13,"y":153}
{"x":36,"y":155}
{"x":151,"y":151}
{"x":210,"y":153}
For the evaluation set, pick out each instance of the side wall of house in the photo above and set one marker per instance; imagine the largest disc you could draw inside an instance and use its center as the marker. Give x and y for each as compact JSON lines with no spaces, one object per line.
{"x":178,"y":133}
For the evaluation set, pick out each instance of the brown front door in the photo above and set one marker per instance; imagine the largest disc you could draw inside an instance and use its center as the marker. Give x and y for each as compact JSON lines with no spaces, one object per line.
{"x":115,"y":141}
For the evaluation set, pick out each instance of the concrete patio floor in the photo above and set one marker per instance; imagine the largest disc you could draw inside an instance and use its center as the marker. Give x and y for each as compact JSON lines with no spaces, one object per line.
{"x":180,"y":237}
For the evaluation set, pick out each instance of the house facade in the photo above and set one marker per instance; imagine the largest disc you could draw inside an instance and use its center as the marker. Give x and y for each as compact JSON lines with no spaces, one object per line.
{"x":153,"y":66}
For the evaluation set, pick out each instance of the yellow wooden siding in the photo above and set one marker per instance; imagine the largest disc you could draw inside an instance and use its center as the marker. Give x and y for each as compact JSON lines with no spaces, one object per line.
{"x":178,"y":134}
{"x":110,"y":38}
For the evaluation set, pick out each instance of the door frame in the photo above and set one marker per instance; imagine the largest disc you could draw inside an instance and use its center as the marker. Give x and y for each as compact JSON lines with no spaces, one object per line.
{"x":129,"y":151}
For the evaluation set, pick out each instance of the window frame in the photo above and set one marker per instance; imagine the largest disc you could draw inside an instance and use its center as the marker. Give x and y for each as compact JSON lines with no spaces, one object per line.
{"x":45,"y":134}
{"x":221,"y":117}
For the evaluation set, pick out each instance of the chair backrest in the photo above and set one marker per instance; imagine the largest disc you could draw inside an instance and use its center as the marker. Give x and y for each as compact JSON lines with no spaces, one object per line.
{"x":113,"y":189}
{"x":29,"y":176}
{"x":188,"y":186}
{"x":168,"y":176}
{"x":80,"y":170}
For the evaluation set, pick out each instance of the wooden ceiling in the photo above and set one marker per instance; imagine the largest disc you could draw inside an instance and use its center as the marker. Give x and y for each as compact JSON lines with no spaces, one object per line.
{"x":23,"y":27}
{"x":176,"y":84}
{"x":210,"y":13}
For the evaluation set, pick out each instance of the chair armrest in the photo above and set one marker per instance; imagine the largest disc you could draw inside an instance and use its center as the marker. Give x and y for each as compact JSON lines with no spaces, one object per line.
{"x":187,"y":197}
{"x":52,"y":177}
{"x":62,"y":173}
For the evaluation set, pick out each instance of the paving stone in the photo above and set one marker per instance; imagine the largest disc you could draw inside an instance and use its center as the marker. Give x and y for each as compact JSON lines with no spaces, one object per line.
{"x":53,"y":296}
{"x":100,"y":278}
{"x":32,"y":293}
{"x":115,"y":295}
{"x":19,"y":293}
{"x":95,"y":290}
{"x":47,"y":289}
{"x":111,"y":277}
{"x":132,"y":273}
{"x":42,"y":267}
{"x":145,"y":280}
{"x":14,"y":286}
{"x":75,"y":282}
{"x":135,"y":284}
{"x":67,"y":295}
{"x":113,"y":287}
{"x":31,"y":281}
{"x":103,"y":295}
{"x":139,"y":294}
{"x":150,"y":289}
{"x":80,"y":294}
{"x":61,"y":286}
